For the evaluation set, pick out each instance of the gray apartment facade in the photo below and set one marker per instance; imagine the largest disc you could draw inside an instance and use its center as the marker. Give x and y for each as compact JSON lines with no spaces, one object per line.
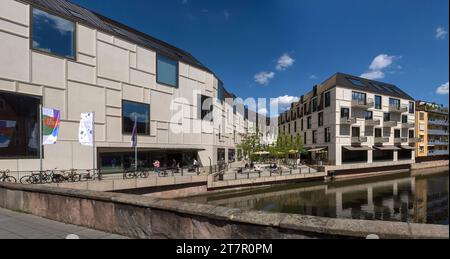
{"x":350,"y":122}
{"x":68,"y":58}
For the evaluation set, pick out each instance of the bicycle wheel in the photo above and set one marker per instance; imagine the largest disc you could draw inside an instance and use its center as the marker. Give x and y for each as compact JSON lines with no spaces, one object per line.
{"x":25,"y":179}
{"x":144,"y":174}
{"x":76,"y":178}
{"x":130,"y":175}
{"x":10,"y":179}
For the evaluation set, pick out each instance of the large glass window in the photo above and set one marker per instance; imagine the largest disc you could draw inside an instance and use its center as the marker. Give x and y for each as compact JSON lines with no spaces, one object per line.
{"x":52,"y":34}
{"x":131,"y":112}
{"x":327,"y":99}
{"x":378,"y":133}
{"x":412,"y":107}
{"x":345,"y":113}
{"x":167,"y":71}
{"x":394,"y":102}
{"x":368,"y":115}
{"x":378,"y":102}
{"x":387,"y":116}
{"x":19,"y":126}
{"x":206,"y":108}
{"x":221,"y":92}
{"x":360,"y":98}
{"x":314,"y":105}
{"x":404,"y":118}
{"x":309,"y":122}
{"x":327,"y":135}
{"x":321,"y":119}
{"x":314,"y":135}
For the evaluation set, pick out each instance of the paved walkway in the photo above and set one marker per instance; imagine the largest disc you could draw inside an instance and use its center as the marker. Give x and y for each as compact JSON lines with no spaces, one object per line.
{"x":15,"y":225}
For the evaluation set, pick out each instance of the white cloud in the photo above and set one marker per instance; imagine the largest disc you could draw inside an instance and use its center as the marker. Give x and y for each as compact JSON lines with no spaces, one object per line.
{"x":313,"y":77}
{"x":263,"y":111}
{"x":284,"y":62}
{"x":381,"y":62}
{"x":378,"y":66}
{"x":373,"y":75}
{"x":443,"y":89}
{"x":226,"y":14}
{"x":283,"y":102}
{"x":441,"y":33}
{"x":62,"y":25}
{"x":263,"y":78}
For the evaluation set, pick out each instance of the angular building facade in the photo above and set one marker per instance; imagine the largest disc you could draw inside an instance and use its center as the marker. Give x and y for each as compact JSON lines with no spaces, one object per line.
{"x":349,"y":122}
{"x":62,"y":56}
{"x":432,"y":130}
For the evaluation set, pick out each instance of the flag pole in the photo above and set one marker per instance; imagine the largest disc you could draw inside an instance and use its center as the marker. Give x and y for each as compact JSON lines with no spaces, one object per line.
{"x":93,"y":143}
{"x":40,"y":137}
{"x":135,"y":146}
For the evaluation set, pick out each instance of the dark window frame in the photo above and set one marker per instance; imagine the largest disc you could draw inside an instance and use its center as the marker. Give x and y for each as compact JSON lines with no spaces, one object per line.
{"x":177,"y":71}
{"x":149,"y":119}
{"x":327,"y":138}
{"x":378,"y":106}
{"x":74,"y":38}
{"x":320,"y":119}
{"x":327,"y":99}
{"x":309,"y":122}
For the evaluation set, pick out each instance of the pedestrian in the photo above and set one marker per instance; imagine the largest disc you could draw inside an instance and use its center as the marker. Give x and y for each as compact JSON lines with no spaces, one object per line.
{"x":156,"y":166}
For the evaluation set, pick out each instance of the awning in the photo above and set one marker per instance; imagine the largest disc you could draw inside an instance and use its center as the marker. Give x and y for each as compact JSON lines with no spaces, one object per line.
{"x":387,"y":148}
{"x":408,"y":147}
{"x":317,"y":149}
{"x":361,"y":148}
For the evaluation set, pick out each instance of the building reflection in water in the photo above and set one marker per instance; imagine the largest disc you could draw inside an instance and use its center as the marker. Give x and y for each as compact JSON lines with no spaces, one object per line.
{"x":401,"y":198}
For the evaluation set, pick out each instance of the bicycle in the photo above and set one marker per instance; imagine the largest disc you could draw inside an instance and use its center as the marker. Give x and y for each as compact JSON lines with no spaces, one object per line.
{"x":140,"y":173}
{"x":72,"y":176}
{"x":4,"y":177}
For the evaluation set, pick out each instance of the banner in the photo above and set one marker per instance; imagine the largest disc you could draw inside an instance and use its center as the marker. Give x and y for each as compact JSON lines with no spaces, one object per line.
{"x":6,"y":132}
{"x":86,"y":129}
{"x":51,"y":120}
{"x":134,"y":135}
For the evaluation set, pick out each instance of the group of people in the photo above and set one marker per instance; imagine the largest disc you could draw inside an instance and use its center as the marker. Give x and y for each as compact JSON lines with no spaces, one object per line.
{"x":175,"y":165}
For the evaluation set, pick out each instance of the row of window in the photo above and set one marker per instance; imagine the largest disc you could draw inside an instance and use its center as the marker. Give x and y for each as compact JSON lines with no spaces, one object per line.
{"x":361,"y":98}
{"x":368,"y":115}
{"x":57,"y":36}
{"x":326,"y":137}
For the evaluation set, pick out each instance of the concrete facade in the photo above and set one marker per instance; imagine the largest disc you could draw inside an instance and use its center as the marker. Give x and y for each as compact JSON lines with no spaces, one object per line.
{"x":108,"y":69}
{"x":353,"y":131}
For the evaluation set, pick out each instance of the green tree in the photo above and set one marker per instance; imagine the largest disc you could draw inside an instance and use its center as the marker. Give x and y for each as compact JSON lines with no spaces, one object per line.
{"x":250,"y":143}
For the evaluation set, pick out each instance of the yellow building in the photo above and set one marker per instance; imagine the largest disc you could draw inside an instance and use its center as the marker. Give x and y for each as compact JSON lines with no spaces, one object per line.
{"x":422,"y":133}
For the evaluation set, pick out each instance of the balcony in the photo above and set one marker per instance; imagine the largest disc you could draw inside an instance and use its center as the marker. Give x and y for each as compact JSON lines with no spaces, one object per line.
{"x":373,"y":122}
{"x":396,"y":109}
{"x":437,"y":143}
{"x":381,"y":140}
{"x":400,"y":140}
{"x":359,"y":140}
{"x":438,"y":132}
{"x":414,"y":140}
{"x":390,"y":124}
{"x":438,"y":153}
{"x":363,"y":104}
{"x":438,"y":122}
{"x":348,"y":121}
{"x":408,"y":125}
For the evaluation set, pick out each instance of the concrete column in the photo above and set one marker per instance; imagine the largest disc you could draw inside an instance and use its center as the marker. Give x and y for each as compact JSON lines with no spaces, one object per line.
{"x":338,"y":155}
{"x":339,"y":207}
{"x":370,"y":205}
{"x":395,"y":187}
{"x":370,"y":156}
{"x":395,"y":156}
{"x":226,"y":155}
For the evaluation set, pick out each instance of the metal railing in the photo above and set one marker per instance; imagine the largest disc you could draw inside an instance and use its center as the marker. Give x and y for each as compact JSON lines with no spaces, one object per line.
{"x":242,"y":173}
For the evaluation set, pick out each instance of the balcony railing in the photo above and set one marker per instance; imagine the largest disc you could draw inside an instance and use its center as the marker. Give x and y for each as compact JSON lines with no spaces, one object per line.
{"x":397,"y":109}
{"x":359,"y":140}
{"x":381,"y":140}
{"x":372,"y":122}
{"x":400,"y":140}
{"x":363,"y":104}
{"x":438,"y":132}
{"x":438,"y":143}
{"x":414,"y":140}
{"x":408,"y":125}
{"x":390,"y":124}
{"x":348,"y":121}
{"x":438,"y":122}
{"x":438,"y":152}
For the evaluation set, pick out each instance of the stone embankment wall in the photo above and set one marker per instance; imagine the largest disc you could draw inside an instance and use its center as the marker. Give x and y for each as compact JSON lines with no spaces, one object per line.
{"x":145,"y":217}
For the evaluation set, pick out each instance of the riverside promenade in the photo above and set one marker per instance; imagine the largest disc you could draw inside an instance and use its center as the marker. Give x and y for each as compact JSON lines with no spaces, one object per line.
{"x":14,"y":225}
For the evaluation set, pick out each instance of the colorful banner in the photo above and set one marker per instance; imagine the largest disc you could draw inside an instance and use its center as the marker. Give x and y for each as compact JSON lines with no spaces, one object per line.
{"x":6,"y":132}
{"x":86,"y":129}
{"x":51,"y":120}
{"x":134,"y":135}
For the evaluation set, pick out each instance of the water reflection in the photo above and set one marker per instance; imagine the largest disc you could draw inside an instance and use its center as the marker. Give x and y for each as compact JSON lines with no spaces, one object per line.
{"x":396,"y":198}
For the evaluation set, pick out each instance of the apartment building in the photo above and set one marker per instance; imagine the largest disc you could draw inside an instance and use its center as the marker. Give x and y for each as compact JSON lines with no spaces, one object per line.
{"x":62,"y":56}
{"x":432,"y":130}
{"x":353,"y":121}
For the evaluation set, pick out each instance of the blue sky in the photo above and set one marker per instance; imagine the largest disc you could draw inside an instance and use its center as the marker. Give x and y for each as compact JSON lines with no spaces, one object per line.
{"x":281,"y":48}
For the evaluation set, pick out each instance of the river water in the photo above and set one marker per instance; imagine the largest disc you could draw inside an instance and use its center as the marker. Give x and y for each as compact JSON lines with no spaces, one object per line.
{"x":401,"y":197}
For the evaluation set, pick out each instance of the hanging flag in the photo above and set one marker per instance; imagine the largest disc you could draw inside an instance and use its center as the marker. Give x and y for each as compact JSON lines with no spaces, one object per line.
{"x":6,"y":132}
{"x":86,"y":129}
{"x":51,"y":120}
{"x":134,"y":135}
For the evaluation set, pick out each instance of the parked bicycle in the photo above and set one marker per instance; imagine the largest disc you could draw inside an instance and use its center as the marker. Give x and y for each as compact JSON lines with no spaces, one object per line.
{"x":44,"y":177}
{"x":133,"y":174}
{"x":6,"y":178}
